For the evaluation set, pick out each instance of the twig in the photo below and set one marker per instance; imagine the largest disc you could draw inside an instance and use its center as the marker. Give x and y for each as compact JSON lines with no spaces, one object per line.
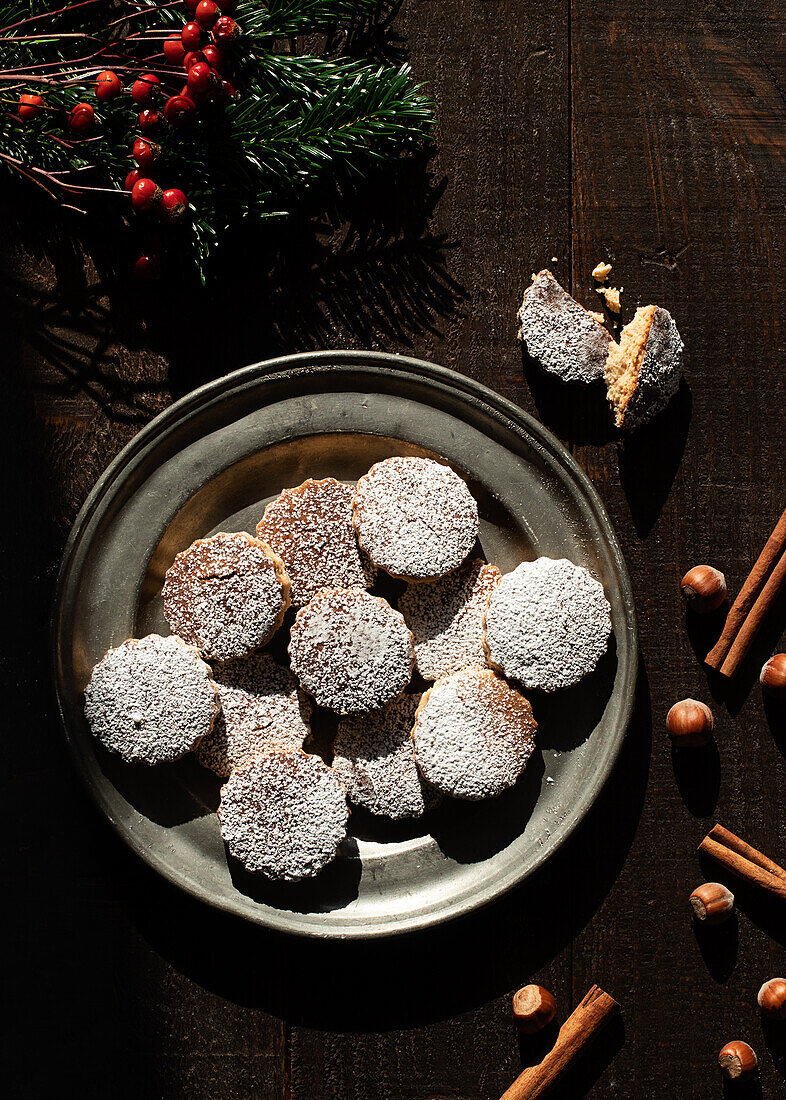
{"x":582,"y":1025}
{"x":744,"y":861}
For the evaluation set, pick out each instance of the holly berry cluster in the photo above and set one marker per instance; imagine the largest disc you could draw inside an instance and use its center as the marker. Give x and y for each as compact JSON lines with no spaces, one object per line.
{"x":203,"y":50}
{"x":129,"y":99}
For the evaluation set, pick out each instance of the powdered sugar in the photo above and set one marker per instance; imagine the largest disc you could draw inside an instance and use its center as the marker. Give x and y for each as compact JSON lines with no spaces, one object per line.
{"x":415,"y":517}
{"x":151,"y":700}
{"x":560,"y":334}
{"x":351,"y":651}
{"x":310,"y":528}
{"x":547,"y":624}
{"x":283,"y":814}
{"x":374,"y":759}
{"x":226,"y":595}
{"x":473,"y":734}
{"x":446,"y":618}
{"x":261,"y":707}
{"x":659,"y":373}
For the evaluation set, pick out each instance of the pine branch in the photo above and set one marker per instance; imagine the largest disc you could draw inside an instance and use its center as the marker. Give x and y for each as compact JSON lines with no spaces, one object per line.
{"x":295,"y":122}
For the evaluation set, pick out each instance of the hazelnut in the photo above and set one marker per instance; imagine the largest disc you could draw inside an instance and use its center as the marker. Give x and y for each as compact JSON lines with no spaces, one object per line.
{"x":738,"y":1059}
{"x":773,"y":676}
{"x":772,"y":998}
{"x":533,"y":1008}
{"x":712,"y":903}
{"x":690,"y":724}
{"x":704,"y":588}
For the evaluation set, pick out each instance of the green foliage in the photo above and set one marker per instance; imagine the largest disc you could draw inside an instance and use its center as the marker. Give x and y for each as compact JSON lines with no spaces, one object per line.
{"x":295,"y":121}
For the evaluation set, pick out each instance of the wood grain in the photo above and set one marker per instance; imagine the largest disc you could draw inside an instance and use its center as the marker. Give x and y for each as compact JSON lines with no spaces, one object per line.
{"x":652,"y":135}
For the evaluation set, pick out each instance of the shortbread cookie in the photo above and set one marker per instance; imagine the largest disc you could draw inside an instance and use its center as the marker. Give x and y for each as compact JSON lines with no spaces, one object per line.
{"x":415,"y":518}
{"x":151,"y":700}
{"x":227,"y":595}
{"x":560,"y":335}
{"x":473,"y":734}
{"x":262,"y":707}
{"x":351,"y":651}
{"x":446,"y":618}
{"x":547,"y":624}
{"x":374,"y":759}
{"x":310,"y":528}
{"x":283,"y":814}
{"x":643,"y":371}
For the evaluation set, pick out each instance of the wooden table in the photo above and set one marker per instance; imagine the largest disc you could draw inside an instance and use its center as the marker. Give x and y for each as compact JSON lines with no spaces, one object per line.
{"x":652,"y":135}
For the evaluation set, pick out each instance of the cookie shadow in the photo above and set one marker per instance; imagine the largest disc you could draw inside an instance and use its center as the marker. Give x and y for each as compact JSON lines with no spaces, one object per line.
{"x":576,"y":411}
{"x":567,"y":718}
{"x":168,"y":794}
{"x":470,"y":832}
{"x":333,"y":888}
{"x":649,"y":459}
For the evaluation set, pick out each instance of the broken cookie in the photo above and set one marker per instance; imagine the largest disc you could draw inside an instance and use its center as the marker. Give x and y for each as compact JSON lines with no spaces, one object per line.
{"x":563,"y":337}
{"x":643,"y":371}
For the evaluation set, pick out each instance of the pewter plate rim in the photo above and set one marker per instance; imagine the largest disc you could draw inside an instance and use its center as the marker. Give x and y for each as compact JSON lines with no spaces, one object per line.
{"x":296,"y":368}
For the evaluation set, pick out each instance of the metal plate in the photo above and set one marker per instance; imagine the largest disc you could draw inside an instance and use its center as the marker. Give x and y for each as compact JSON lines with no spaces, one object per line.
{"x":211,"y":462}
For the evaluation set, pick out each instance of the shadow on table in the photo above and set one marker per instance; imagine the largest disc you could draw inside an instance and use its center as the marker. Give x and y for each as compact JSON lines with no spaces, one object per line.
{"x":354,"y":266}
{"x":425,"y":976}
{"x":650,"y":457}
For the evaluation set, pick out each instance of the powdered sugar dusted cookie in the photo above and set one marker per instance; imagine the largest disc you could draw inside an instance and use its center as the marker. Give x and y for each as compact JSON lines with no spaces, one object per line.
{"x":547,"y":624}
{"x":415,"y":517}
{"x":283,"y":814}
{"x":473,"y":734}
{"x":373,"y":758}
{"x":310,"y":528}
{"x":151,"y":700}
{"x":261,"y":706}
{"x":351,"y":651}
{"x":446,"y":618}
{"x":643,"y":371}
{"x":564,"y":338}
{"x":227,"y":595}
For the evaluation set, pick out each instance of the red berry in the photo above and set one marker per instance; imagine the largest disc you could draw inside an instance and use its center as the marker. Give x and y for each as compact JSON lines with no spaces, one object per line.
{"x":145,"y":153}
{"x":148,"y":267}
{"x":227,"y":6}
{"x":143,"y":88}
{"x":82,"y":119}
{"x":191,"y":36}
{"x":213,"y":56}
{"x":174,"y":204}
{"x":206,"y":13}
{"x":191,"y":58}
{"x":191,"y":6}
{"x":226,"y":91}
{"x":107,"y":86}
{"x":131,"y":178}
{"x":201,"y":78}
{"x":180,"y":110}
{"x":225,"y":31}
{"x":149,"y":121}
{"x":30,"y":106}
{"x":145,"y":194}
{"x":173,"y":49}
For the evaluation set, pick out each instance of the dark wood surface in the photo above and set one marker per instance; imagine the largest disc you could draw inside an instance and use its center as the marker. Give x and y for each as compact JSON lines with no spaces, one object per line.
{"x":652,"y":134}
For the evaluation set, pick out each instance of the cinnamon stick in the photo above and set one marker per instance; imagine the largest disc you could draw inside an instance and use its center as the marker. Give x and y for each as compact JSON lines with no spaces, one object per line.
{"x":773,"y":549}
{"x":758,"y":613}
{"x":744,"y":861}
{"x":580,"y":1027}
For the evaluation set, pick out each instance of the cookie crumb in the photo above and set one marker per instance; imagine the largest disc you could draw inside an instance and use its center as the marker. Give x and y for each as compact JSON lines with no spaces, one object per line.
{"x":597,"y":316}
{"x":611,"y":294}
{"x":601,"y":272}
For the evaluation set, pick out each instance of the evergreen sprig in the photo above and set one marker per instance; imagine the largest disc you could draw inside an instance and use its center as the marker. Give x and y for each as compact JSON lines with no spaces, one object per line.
{"x":294,"y":120}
